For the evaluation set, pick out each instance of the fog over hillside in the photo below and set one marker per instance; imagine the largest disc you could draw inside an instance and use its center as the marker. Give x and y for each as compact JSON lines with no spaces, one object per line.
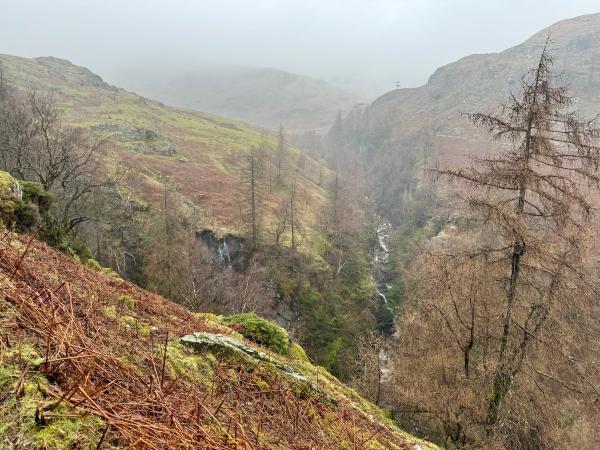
{"x":361,"y":46}
{"x":264,"y":97}
{"x":293,"y":224}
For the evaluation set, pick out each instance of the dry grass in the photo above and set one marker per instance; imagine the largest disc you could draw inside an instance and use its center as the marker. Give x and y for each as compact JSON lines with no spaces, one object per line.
{"x":110,"y":358}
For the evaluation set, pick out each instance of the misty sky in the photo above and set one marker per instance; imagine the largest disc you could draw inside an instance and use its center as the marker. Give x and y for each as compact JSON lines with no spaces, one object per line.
{"x":356,"y":43}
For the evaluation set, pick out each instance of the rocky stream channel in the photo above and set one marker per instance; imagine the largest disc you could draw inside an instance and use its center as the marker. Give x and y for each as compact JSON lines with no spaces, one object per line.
{"x":382,"y":274}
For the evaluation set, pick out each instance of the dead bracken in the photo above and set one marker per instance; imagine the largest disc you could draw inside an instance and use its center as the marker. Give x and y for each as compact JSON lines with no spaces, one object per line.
{"x":95,"y":377}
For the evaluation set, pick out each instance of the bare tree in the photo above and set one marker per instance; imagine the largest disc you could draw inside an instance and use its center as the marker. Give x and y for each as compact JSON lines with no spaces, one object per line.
{"x":282,"y":216}
{"x":35,"y":145}
{"x":253,"y":176}
{"x":506,"y":298}
{"x":368,"y":375}
{"x":265,"y":149}
{"x":2,"y":83}
{"x":293,"y":213}
{"x":281,"y":151}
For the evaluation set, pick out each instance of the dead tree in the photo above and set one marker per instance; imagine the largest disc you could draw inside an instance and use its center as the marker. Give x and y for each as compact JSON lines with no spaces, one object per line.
{"x":281,"y":144}
{"x":282,"y":217}
{"x":532,"y":202}
{"x":252,"y":180}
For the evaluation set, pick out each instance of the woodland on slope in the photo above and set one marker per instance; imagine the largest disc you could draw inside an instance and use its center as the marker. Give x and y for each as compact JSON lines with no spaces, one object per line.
{"x":495,"y":242}
{"x":487,"y":175}
{"x":209,"y":212}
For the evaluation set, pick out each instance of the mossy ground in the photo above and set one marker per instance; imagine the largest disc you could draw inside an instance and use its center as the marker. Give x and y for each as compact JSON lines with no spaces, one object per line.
{"x":234,"y":401}
{"x":27,"y":418}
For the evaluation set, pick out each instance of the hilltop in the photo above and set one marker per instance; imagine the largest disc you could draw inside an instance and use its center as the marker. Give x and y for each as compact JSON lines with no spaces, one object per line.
{"x":406,"y":129}
{"x":88,"y":358}
{"x":265,"y":97}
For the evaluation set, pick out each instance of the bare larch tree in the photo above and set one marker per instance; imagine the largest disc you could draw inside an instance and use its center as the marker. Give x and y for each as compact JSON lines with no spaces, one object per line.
{"x":516,"y":295}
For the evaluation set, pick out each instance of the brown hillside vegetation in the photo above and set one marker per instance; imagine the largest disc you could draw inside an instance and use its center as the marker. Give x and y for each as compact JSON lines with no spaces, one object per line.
{"x":90,"y":361}
{"x":200,"y":155}
{"x":406,"y":130}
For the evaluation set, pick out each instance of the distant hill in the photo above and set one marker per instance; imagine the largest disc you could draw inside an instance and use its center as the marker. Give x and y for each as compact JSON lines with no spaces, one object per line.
{"x":202,"y":154}
{"x":264,"y":97}
{"x":409,"y":128}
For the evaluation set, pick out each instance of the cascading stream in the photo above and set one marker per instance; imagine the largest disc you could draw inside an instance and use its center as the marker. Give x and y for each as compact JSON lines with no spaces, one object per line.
{"x":381,"y":260}
{"x":381,"y":272}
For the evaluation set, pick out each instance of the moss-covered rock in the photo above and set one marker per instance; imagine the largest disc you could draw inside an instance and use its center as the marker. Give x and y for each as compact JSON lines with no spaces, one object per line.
{"x":22,"y":203}
{"x":261,"y":331}
{"x":297,"y":352}
{"x":34,"y":193}
{"x":9,"y":186}
{"x":227,"y":346}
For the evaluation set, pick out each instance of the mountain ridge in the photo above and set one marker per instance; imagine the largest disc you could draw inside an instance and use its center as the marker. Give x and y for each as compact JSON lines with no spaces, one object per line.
{"x":413,"y":128}
{"x":210,"y":145}
{"x":263,"y":96}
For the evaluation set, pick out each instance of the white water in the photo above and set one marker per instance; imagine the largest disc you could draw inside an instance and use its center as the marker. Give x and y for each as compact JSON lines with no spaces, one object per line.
{"x":382,"y":253}
{"x":382,"y":257}
{"x":383,"y":364}
{"x":382,"y":295}
{"x":224,"y":252}
{"x":382,"y":287}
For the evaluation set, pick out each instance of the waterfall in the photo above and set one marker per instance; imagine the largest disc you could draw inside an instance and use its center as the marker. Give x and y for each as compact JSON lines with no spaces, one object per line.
{"x":17,"y":190}
{"x":382,"y":257}
{"x":382,"y":295}
{"x":381,"y":260}
{"x":224,"y":251}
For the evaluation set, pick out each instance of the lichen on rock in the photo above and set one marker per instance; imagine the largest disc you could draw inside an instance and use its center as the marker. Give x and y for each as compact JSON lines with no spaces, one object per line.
{"x":229,"y":346}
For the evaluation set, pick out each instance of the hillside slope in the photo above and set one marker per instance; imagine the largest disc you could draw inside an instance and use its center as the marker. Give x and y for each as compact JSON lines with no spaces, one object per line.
{"x":261,"y":96}
{"x":416,"y":125}
{"x":482,"y":82}
{"x":202,"y":155}
{"x":86,"y":358}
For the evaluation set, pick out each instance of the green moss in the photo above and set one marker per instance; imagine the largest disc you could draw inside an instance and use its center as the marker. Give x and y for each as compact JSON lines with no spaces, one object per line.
{"x":144,"y":329}
{"x":209,"y":317}
{"x":110,"y":272}
{"x":110,"y":311}
{"x":127,"y":301}
{"x":23,"y":354}
{"x":188,"y":365}
{"x":297,"y":352}
{"x":92,"y":263}
{"x":6,"y":181}
{"x":34,"y":193}
{"x":18,"y":427}
{"x":262,"y":384}
{"x":216,"y":324}
{"x":261,"y":331}
{"x":132,"y":322}
{"x":17,"y":245}
{"x":70,"y":433}
{"x":129,"y":321}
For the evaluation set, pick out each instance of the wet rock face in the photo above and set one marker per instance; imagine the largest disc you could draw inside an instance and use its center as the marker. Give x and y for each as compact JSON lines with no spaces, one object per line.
{"x":227,"y":250}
